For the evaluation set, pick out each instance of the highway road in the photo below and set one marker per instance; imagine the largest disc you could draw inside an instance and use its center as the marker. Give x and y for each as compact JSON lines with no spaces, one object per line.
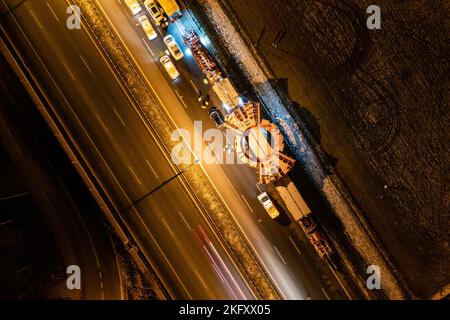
{"x":73,"y":220}
{"x":127,"y":160}
{"x":117,"y":144}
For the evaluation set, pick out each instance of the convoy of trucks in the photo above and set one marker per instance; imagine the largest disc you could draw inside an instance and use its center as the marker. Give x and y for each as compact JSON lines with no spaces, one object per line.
{"x":288,"y":193}
{"x":284,"y":195}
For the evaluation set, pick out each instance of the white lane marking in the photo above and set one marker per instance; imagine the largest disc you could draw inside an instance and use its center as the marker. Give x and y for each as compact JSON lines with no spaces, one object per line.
{"x":104,"y":161}
{"x":325,"y":293}
{"x":246,"y":203}
{"x":187,"y":224}
{"x":214,"y":186}
{"x":86,"y":65}
{"x":168,"y":228}
{"x":35,"y":18}
{"x":106,"y":164}
{"x":122,"y":297}
{"x":118,"y":116}
{"x":69,"y":71}
{"x":148,"y":47}
{"x":181,"y":99}
{"x":53,"y":12}
{"x":195,"y":88}
{"x":153,"y":170}
{"x":101,"y":285}
{"x":160,"y":251}
{"x":18,"y":195}
{"x":102,"y":123}
{"x":177,"y":23}
{"x":203,"y":169}
{"x":159,"y":32}
{"x":276,"y":249}
{"x":134,"y":174}
{"x":6,"y":222}
{"x":295,"y":246}
{"x":122,"y":189}
{"x":167,"y":261}
{"x":198,"y":276}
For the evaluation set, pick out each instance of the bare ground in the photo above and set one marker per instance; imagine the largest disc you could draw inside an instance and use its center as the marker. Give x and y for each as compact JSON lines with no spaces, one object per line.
{"x":377,"y":101}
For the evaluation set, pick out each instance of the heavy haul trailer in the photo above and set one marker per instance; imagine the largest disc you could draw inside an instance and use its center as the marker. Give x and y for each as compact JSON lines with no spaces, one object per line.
{"x":289,"y":195}
{"x":204,"y":59}
{"x":221,"y":86}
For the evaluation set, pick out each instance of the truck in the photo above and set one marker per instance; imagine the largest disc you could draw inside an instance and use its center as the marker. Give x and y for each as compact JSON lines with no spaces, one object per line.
{"x":201,"y":55}
{"x":221,"y":86}
{"x":302,"y":214}
{"x":294,"y":201}
{"x":171,"y":9}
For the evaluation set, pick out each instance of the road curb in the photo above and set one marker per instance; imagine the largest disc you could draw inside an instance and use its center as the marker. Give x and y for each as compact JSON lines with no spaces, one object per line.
{"x":146,"y":102}
{"x":70,"y":147}
{"x":308,"y":154}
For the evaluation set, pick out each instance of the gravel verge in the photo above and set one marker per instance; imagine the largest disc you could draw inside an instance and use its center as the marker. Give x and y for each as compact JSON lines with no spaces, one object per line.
{"x":308,"y":154}
{"x":194,"y":177}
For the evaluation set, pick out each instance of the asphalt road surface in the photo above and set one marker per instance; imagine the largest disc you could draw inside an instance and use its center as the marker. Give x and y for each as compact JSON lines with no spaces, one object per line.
{"x":80,"y":238}
{"x":190,"y":257}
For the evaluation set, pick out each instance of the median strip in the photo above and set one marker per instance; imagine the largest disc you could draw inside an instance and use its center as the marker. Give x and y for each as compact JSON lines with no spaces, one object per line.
{"x":194,"y":178}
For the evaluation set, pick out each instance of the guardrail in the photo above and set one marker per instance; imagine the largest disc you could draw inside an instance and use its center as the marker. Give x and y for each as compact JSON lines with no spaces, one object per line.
{"x":78,"y":160}
{"x":131,"y":78}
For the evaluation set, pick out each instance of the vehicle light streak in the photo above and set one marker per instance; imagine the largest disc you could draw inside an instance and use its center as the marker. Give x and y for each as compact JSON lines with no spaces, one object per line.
{"x":221,"y":261}
{"x":216,"y":267}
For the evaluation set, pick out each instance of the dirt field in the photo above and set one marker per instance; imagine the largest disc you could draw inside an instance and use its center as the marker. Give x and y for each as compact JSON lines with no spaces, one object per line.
{"x":377,"y":101}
